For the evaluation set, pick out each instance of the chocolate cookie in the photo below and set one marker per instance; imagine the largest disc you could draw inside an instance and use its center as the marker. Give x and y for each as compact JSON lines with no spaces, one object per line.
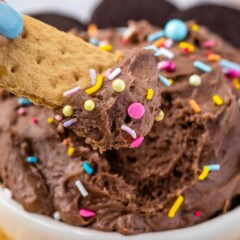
{"x":222,"y":20}
{"x":115,"y":13}
{"x":61,"y":22}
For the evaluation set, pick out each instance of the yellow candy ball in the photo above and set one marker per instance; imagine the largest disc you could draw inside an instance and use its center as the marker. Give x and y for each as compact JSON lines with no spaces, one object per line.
{"x":89,"y":105}
{"x":68,"y":111}
{"x":118,"y":85}
{"x":159,"y":117}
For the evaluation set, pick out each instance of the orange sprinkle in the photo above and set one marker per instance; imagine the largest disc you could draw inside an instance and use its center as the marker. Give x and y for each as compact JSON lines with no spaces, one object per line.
{"x":236,"y":83}
{"x":195,"y":107}
{"x":214,"y":57}
{"x":92,"y":30}
{"x":160,"y":42}
{"x":118,"y":55}
{"x":66,"y":141}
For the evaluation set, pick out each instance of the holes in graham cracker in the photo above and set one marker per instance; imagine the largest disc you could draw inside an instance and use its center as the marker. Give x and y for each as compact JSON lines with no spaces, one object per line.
{"x":63,"y":51}
{"x":24,"y":34}
{"x":39,"y":59}
{"x":14,"y":68}
{"x":76,"y":76}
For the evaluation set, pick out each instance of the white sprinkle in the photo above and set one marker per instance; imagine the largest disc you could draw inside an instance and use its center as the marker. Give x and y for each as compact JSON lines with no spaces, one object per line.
{"x":7,"y":192}
{"x":93,"y":76}
{"x":72,"y":91}
{"x":109,"y":71}
{"x":130,"y":131}
{"x":168,"y":43}
{"x":81,"y":188}
{"x":57,"y":216}
{"x":114,"y":74}
{"x":165,"y":52}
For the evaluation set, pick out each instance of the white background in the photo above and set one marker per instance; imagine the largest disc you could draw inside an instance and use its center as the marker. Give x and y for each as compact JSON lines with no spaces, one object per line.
{"x":82,"y":9}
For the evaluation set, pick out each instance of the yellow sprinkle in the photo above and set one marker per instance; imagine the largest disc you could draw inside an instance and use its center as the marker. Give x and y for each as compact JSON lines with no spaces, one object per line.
{"x":195,"y":107}
{"x":186,"y":45}
{"x":68,"y":111}
{"x":217,"y":100}
{"x":195,"y":27}
{"x":89,"y":105}
{"x":159,"y":117}
{"x":118,"y":55}
{"x":176,"y":206}
{"x":118,"y":85}
{"x":150,"y":94}
{"x":171,"y":81}
{"x":71,"y":151}
{"x":236,"y":83}
{"x":92,"y":30}
{"x":96,"y":87}
{"x":50,"y":120}
{"x":204,"y":173}
{"x":214,"y":57}
{"x":107,"y":47}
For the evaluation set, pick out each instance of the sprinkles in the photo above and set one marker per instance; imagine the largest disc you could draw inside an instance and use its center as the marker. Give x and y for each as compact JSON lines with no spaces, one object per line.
{"x":57,"y":216}
{"x":229,"y":65}
{"x":136,"y":110}
{"x":114,"y":74}
{"x":150,"y":93}
{"x":93,"y":76}
{"x":67,"y":111}
{"x":24,"y":102}
{"x":217,"y":100}
{"x":71,"y":151}
{"x":72,"y":91}
{"x":58,"y":118}
{"x":32,"y":159}
{"x":214,"y":167}
{"x":22,"y":111}
{"x":155,"y":36}
{"x":202,"y":66}
{"x":165,"y":81}
{"x":176,"y":206}
{"x":35,"y":120}
{"x":96,"y":87}
{"x":87,"y":168}
{"x":70,"y":122}
{"x":86,"y":213}
{"x":195,"y":107}
{"x":129,"y":130}
{"x":164,"y":52}
{"x":89,"y":105}
{"x":118,"y":85}
{"x":94,"y":41}
{"x":159,"y":117}
{"x":204,"y":173}
{"x":195,"y":80}
{"x":50,"y":120}
{"x":81,"y":188}
{"x":137,"y":142}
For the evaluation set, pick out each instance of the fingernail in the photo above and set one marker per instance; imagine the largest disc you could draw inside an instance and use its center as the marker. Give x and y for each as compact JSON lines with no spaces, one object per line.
{"x":11,"y":24}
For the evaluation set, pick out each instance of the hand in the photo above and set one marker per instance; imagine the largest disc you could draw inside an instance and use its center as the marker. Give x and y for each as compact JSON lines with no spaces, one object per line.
{"x":11,"y":23}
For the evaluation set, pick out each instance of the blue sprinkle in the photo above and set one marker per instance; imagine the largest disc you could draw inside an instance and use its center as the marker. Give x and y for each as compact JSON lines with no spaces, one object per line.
{"x":165,"y":81}
{"x":214,"y":167}
{"x":11,"y":23}
{"x":24,"y":102}
{"x":151,"y":47}
{"x":202,"y":66}
{"x":32,"y":159}
{"x":229,"y":65}
{"x":155,"y":36}
{"x":94,"y":41}
{"x":87,"y":168}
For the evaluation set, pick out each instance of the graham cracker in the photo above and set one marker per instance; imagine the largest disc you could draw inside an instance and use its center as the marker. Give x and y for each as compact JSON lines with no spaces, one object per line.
{"x":44,"y":62}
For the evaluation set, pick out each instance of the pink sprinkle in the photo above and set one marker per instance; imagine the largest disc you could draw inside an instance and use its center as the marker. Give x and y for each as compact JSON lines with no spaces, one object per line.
{"x":232,"y":73}
{"x":7,"y":192}
{"x":197,"y":214}
{"x":168,"y":66}
{"x":22,"y":111}
{"x":86,"y":213}
{"x":35,"y":120}
{"x":168,"y":43}
{"x":108,"y":72}
{"x":58,"y":118}
{"x":129,"y":130}
{"x":137,"y":142}
{"x":136,"y":110}
{"x":186,"y":50}
{"x":70,"y":92}
{"x":208,"y":44}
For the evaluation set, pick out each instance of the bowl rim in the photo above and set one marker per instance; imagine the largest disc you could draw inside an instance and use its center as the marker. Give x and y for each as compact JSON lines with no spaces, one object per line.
{"x":207,"y":230}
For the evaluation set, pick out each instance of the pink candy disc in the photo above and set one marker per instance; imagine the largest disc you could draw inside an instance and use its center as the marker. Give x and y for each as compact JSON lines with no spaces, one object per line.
{"x":137,"y":142}
{"x":136,"y":110}
{"x":22,"y":111}
{"x":86,"y":213}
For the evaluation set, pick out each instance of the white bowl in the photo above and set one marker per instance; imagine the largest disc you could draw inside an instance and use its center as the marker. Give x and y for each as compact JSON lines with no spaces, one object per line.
{"x":21,"y":225}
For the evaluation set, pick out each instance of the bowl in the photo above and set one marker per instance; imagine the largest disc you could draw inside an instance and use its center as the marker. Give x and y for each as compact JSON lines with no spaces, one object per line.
{"x":21,"y":225}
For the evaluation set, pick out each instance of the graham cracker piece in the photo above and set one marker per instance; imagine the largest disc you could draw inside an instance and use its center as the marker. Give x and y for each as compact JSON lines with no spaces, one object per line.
{"x":44,"y":62}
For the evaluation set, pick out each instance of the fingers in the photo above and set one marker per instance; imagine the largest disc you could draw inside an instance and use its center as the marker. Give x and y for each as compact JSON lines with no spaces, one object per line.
{"x":11,"y":24}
